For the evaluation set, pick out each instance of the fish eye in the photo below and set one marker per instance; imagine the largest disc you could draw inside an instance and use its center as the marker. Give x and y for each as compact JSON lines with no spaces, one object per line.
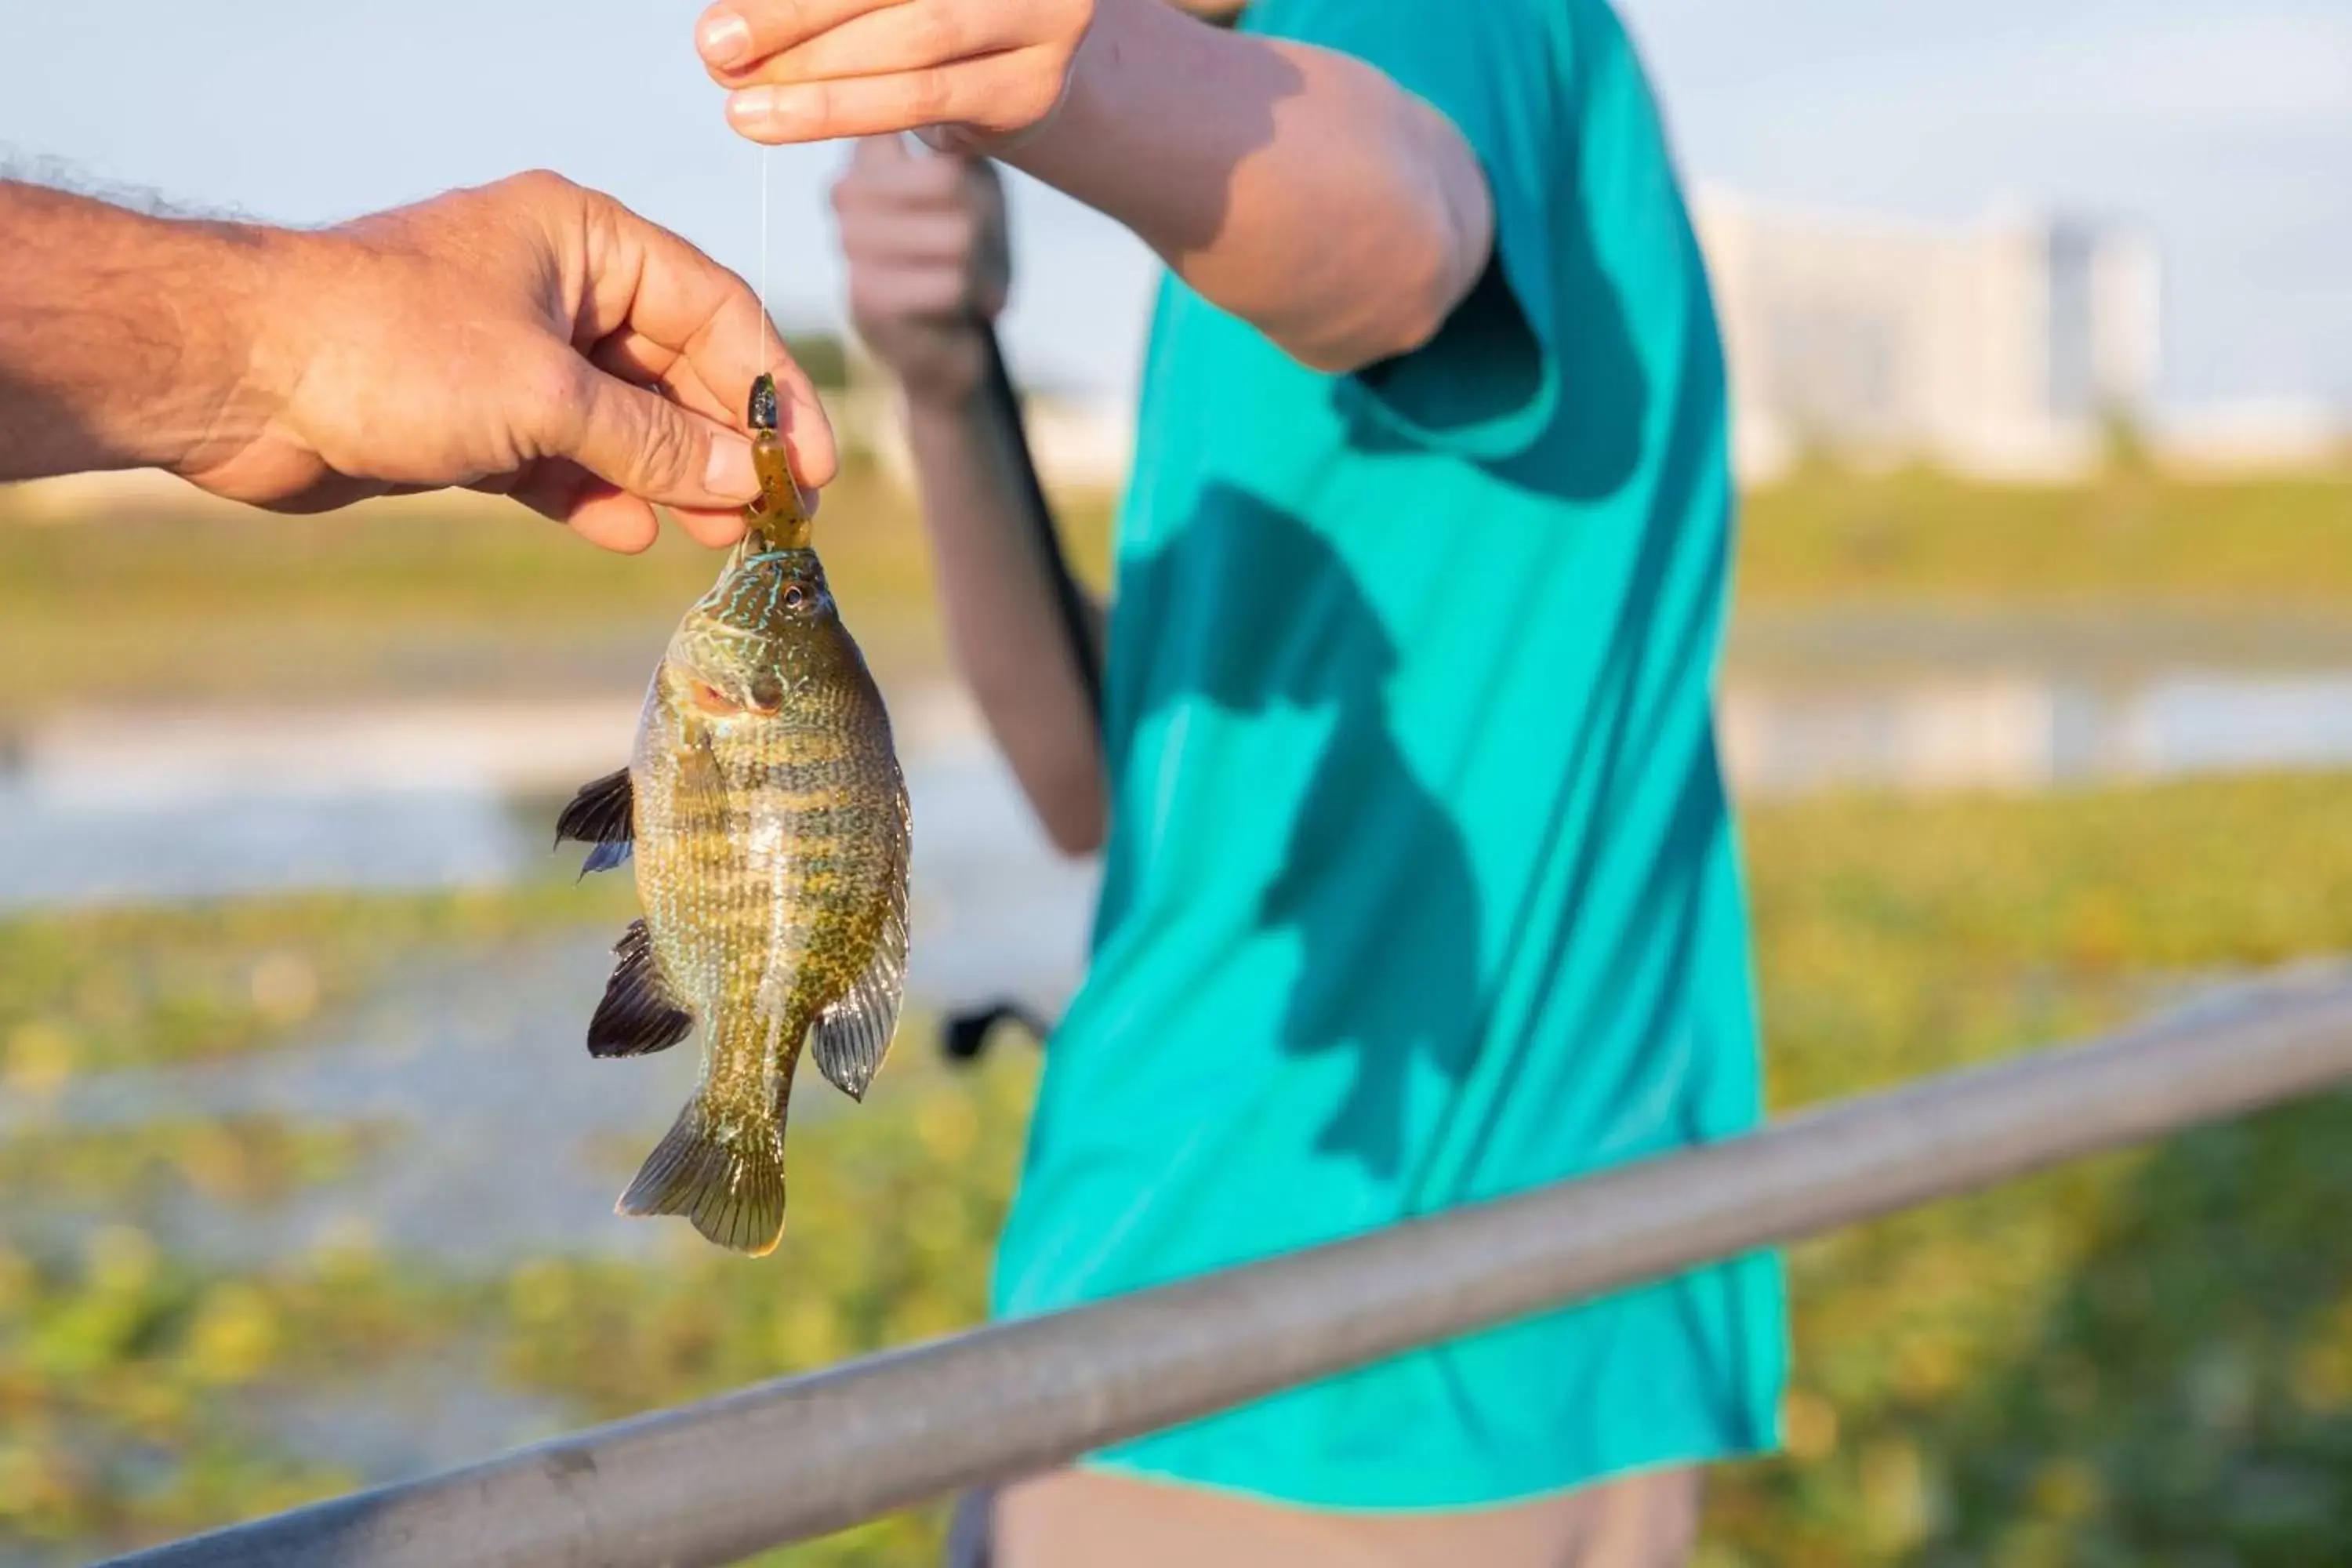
{"x":795,"y":597}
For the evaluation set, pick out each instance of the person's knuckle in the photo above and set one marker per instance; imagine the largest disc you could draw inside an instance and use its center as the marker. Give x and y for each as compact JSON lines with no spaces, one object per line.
{"x":930,"y":96}
{"x":542,"y":183}
{"x":938,"y":32}
{"x":1064,"y":22}
{"x":667,"y":448}
{"x":554,"y":388}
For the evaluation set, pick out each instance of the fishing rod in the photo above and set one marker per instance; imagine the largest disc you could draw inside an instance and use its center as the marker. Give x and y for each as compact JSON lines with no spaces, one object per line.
{"x":965,"y":1035}
{"x":1069,"y":601}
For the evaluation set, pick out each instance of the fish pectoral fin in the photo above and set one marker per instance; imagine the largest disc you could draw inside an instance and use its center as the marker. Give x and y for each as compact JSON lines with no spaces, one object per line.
{"x":602,"y":813}
{"x":728,"y":1179}
{"x":638,"y":1015}
{"x":605,"y":856}
{"x":853,"y":1036}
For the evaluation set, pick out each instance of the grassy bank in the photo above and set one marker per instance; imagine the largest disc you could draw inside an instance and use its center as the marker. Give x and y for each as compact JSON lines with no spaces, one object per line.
{"x":1831,"y":538}
{"x":2147,"y":1359}
{"x":164,"y":598}
{"x":155,"y":601}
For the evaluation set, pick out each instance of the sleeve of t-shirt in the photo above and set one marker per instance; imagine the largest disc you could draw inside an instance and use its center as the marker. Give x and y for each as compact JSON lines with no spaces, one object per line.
{"x":1487,"y":384}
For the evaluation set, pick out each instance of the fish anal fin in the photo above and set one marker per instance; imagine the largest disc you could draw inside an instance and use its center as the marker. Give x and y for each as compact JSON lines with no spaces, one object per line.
{"x":726,"y":1177}
{"x":638,"y":1015}
{"x":603,"y":813}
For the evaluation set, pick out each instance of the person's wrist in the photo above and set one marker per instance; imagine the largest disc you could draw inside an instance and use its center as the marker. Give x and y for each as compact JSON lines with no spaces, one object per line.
{"x":1086,"y":90}
{"x":942,"y":367}
{"x":940,"y":397}
{"x":239,"y":325}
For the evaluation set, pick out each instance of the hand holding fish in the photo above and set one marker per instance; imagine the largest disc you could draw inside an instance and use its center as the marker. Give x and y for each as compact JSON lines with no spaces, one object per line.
{"x":528,"y":337}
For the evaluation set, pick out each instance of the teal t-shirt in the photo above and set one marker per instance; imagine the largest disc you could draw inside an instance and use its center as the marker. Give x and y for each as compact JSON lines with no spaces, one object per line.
{"x":1421,"y":887}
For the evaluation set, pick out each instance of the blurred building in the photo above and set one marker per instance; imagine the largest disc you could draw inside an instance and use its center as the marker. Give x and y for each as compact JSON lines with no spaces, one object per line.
{"x":2001,"y":348}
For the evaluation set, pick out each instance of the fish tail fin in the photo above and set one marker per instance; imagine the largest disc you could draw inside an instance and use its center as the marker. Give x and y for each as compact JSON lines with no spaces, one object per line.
{"x":728,"y":1180}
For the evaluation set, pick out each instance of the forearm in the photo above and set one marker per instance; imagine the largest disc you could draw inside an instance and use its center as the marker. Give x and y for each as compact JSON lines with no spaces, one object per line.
{"x":998,"y":592}
{"x":1300,"y":189}
{"x":124,"y":340}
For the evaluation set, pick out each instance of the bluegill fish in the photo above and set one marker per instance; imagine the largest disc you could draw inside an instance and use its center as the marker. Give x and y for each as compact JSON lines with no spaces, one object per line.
{"x":765,"y":810}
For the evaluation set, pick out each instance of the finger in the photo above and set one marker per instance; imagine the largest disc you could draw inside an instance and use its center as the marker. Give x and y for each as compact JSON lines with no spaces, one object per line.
{"x":740,"y":33}
{"x":641,"y":443}
{"x":611,"y":521}
{"x":715,"y":529}
{"x":567,"y":494}
{"x":998,"y":94}
{"x":634,"y":357}
{"x":904,"y":38}
{"x":687,"y":311}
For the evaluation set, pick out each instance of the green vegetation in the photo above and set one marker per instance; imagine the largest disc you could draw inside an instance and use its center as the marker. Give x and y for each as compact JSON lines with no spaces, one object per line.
{"x":91,"y":991}
{"x":169,"y":600}
{"x":2147,"y":1359}
{"x":1827,"y":538}
{"x":177,"y":599}
{"x":2143,"y":1359}
{"x":251,"y":1162}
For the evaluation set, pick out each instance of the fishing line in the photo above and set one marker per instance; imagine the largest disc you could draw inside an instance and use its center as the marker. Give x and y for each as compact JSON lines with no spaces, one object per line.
{"x":762,"y":362}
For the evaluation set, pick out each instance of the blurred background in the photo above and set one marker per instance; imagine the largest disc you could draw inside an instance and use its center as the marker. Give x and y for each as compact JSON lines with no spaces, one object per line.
{"x":2038,"y":697}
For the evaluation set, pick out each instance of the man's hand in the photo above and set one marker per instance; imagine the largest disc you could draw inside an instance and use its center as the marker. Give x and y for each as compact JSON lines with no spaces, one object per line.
{"x":973,"y":73}
{"x":929,"y":263}
{"x":528,"y":337}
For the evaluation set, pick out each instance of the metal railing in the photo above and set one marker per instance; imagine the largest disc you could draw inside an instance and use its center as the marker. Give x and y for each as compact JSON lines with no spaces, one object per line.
{"x":712,"y":1482}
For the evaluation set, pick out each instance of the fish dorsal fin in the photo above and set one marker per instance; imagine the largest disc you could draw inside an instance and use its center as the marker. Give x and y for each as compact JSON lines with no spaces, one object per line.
{"x":638,"y":1015}
{"x":852,"y":1035}
{"x":602,"y":813}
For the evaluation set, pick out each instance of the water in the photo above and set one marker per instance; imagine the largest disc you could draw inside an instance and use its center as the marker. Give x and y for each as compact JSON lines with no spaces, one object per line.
{"x":132,"y":807}
{"x":139,"y":806}
{"x":2028,"y":731}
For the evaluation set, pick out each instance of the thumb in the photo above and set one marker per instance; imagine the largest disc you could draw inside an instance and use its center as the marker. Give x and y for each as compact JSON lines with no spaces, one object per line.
{"x":651,"y":448}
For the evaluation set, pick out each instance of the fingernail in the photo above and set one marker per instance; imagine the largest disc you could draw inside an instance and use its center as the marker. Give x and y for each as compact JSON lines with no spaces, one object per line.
{"x":752,"y":106}
{"x":725,"y":38}
{"x":730,"y":474}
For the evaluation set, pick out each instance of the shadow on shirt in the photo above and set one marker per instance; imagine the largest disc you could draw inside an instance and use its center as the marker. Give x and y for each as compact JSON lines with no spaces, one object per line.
{"x":1375,"y":879}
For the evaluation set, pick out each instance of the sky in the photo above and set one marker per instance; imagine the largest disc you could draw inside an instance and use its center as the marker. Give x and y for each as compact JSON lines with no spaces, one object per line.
{"x":2223,"y":126}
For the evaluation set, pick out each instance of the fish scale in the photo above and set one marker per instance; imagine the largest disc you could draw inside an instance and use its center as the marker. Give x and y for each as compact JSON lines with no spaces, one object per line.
{"x":767,"y":816}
